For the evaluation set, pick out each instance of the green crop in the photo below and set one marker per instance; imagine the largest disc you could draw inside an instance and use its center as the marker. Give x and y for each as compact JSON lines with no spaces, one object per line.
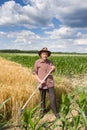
{"x":65,"y":65}
{"x":3,"y":123}
{"x":69,"y":121}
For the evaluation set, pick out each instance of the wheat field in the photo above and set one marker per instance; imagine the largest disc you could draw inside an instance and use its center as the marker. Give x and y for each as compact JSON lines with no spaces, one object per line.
{"x":18,"y":83}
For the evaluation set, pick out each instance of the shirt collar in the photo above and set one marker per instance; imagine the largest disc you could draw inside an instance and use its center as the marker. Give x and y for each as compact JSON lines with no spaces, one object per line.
{"x":42,"y":61}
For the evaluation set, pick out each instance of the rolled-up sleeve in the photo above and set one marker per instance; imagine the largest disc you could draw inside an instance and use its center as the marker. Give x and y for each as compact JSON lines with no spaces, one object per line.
{"x":35,"y":71}
{"x":51,"y":64}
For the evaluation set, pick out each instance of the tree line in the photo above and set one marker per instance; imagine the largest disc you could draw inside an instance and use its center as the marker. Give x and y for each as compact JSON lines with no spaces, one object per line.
{"x":35,"y":51}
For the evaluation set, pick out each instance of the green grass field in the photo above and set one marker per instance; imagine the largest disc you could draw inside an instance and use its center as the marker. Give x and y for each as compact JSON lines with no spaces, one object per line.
{"x":65,"y":64}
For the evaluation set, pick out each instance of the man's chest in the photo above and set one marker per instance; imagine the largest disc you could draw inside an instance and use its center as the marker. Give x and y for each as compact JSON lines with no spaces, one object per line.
{"x":44,"y":67}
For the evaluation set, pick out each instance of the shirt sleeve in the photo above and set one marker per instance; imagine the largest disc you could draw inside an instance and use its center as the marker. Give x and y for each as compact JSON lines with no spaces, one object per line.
{"x":35,"y":71}
{"x":51,"y":64}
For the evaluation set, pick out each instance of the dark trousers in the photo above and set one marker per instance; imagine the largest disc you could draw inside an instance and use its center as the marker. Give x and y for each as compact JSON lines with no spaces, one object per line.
{"x":52,"y":98}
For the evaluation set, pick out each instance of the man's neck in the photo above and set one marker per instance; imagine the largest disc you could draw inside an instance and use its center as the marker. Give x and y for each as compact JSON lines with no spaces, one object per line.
{"x":44,"y":60}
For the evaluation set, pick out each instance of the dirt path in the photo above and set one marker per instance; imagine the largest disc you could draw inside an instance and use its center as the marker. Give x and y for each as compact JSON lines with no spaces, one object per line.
{"x":47,"y":119}
{"x":79,"y":81}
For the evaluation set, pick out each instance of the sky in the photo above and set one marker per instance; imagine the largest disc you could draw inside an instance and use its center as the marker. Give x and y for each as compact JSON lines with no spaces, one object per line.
{"x":59,"y":25}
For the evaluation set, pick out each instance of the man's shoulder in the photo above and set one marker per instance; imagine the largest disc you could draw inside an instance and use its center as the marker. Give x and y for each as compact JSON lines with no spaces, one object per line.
{"x":49,"y":61}
{"x":38,"y":61}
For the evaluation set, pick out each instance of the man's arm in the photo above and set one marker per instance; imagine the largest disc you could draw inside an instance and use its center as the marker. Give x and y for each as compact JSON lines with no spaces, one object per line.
{"x":53,"y":68}
{"x":40,"y":81}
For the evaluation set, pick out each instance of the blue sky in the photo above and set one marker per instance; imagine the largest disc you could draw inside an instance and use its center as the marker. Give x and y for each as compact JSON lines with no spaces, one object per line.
{"x":33,"y":24}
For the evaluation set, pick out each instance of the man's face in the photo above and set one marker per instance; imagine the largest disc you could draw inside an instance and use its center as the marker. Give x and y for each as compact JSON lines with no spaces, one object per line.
{"x":44,"y":55}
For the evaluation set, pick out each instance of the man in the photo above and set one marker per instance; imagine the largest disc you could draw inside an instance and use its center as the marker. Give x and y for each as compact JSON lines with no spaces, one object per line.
{"x":41,"y":68}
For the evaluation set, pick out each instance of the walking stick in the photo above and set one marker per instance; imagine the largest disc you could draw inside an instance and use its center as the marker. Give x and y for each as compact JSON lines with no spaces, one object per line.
{"x":22,"y":109}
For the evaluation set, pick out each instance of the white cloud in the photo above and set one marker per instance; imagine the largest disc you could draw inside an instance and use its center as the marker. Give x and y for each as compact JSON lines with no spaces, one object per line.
{"x":41,"y":12}
{"x":71,"y":13}
{"x":28,"y":40}
{"x":85,"y":49}
{"x":26,"y":37}
{"x":64,"y":33}
{"x":81,"y":41}
{"x":20,"y":38}
{"x":2,"y":34}
{"x":12,"y":13}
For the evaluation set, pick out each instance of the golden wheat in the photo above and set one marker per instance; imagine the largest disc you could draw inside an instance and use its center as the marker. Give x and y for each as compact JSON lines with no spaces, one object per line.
{"x":18,"y":83}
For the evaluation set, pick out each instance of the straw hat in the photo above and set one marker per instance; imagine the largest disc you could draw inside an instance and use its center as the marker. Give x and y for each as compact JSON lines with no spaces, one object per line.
{"x":44,"y":50}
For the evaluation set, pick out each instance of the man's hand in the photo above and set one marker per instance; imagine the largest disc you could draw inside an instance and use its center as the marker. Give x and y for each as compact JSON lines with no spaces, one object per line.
{"x":53,"y":68}
{"x":41,"y":81}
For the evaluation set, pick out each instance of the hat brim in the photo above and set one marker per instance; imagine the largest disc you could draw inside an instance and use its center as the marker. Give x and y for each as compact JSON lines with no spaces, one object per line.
{"x":49,"y":53}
